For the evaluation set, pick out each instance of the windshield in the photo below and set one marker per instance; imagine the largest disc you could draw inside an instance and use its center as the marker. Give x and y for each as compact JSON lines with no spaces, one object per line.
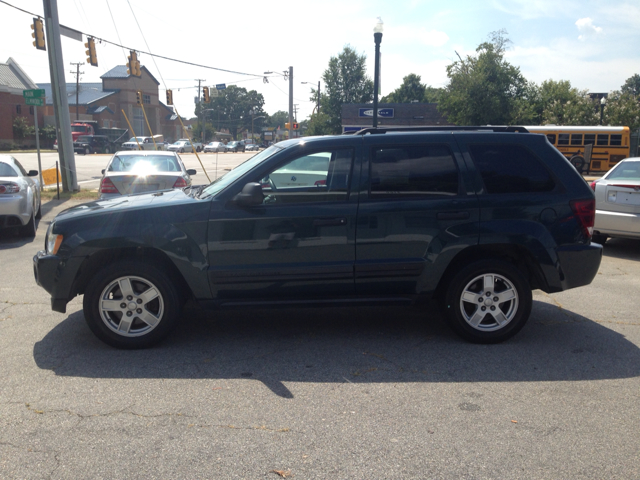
{"x":144,"y":164}
{"x":133,"y":139}
{"x":625,"y":170}
{"x":83,"y":138}
{"x":224,"y":181}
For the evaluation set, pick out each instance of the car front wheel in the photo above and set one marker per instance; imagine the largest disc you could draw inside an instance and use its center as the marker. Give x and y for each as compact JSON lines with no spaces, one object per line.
{"x":488,"y":301}
{"x":131,"y":305}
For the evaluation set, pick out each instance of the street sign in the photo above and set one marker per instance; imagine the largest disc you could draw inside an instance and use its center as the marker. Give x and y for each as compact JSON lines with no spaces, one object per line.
{"x":221,"y":86}
{"x":35,"y":93}
{"x":38,"y":102}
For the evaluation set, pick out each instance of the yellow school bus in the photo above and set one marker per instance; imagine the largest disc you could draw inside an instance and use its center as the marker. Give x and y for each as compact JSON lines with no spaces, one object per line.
{"x":609,"y":145}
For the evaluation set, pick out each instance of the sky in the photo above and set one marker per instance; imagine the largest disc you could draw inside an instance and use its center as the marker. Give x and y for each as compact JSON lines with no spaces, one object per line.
{"x":592,"y":43}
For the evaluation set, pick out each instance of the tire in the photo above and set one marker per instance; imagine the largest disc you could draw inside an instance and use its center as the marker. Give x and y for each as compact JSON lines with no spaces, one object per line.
{"x":182,"y":150}
{"x":87,"y":151}
{"x":152,"y":318}
{"x":29,"y":230}
{"x":599,"y":238}
{"x":506,"y":297}
{"x":578,"y":162}
{"x":39,"y":211}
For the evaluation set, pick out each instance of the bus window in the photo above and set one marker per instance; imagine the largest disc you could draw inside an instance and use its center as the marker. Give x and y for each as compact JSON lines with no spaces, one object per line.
{"x":552,"y":138}
{"x":603,"y":140}
{"x":576,"y":139}
{"x":616,"y":139}
{"x":589,"y":138}
{"x":563,"y":139}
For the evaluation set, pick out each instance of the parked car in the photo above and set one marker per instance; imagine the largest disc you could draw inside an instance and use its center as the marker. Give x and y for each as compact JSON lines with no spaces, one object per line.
{"x":144,"y":143}
{"x":252,"y":147}
{"x":87,"y":144}
{"x":138,"y":172}
{"x":184,"y":146}
{"x":19,"y":196}
{"x":474,"y":218}
{"x":618,"y":202}
{"x":214,"y":147}
{"x":234,"y":147}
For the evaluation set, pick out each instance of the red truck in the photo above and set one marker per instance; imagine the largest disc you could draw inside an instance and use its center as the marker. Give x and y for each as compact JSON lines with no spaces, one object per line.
{"x":90,"y":127}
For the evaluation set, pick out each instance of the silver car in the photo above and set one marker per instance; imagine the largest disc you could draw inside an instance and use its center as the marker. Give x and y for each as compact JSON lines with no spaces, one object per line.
{"x":138,"y":172}
{"x":19,"y":196}
{"x":618,"y":202}
{"x":214,"y":147}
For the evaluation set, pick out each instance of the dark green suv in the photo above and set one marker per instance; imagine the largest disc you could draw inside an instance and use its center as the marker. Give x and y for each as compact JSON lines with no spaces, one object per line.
{"x":475,"y":217}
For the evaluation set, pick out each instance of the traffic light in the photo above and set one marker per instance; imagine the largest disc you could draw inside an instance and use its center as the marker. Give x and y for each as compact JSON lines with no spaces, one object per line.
{"x":205,"y":95}
{"x":92,"y":58}
{"x":38,"y":34}
{"x":133,"y":68}
{"x":295,"y":126}
{"x":287,"y":126}
{"x":139,"y":97}
{"x":169,"y":97}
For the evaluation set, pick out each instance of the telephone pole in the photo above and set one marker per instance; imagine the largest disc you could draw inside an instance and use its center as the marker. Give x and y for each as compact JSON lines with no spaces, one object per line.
{"x":290,"y":102}
{"x":77,"y":73}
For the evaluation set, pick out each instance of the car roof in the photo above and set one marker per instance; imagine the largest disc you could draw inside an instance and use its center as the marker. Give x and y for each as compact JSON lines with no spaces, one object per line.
{"x":129,"y":153}
{"x":7,"y":158}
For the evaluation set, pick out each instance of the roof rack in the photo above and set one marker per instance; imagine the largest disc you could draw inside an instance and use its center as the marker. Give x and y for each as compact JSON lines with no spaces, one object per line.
{"x":498,"y":128}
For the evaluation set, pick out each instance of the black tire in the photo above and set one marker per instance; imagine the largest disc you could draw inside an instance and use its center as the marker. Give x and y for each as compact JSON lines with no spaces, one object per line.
{"x":599,"y":238}
{"x":152,"y":319}
{"x":29,"y":230}
{"x":578,"y":162}
{"x":39,"y":211}
{"x":182,"y":150}
{"x":506,"y":298}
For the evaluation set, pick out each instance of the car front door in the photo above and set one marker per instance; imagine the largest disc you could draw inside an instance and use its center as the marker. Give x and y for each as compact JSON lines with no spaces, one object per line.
{"x":417,"y":210}
{"x":300,"y":241}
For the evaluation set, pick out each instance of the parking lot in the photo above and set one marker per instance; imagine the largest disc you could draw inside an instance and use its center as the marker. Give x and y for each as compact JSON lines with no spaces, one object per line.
{"x":367,"y":393}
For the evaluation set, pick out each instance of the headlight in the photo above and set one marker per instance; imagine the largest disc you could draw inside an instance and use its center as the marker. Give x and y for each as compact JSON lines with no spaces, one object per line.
{"x":53,"y":241}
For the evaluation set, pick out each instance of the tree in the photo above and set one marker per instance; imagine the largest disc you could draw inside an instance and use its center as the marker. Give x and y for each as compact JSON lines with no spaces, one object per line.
{"x":622,"y":109}
{"x":411,"y":90}
{"x":278,"y":119}
{"x":319,"y":124}
{"x":632,"y":85}
{"x":345,"y":82}
{"x":485,"y":89}
{"x":21,"y":128}
{"x":232,"y":108}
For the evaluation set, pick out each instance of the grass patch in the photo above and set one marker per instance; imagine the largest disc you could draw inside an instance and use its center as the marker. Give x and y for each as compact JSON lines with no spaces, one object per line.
{"x":81,"y":195}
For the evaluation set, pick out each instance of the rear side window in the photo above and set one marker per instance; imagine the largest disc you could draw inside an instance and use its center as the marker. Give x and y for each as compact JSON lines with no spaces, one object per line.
{"x":413,"y":171}
{"x":7,"y":170}
{"x":576,"y":139}
{"x":510,"y":169}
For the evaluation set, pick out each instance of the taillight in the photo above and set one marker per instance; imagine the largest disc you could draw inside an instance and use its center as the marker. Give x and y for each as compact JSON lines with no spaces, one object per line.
{"x":320,"y":183}
{"x":107,"y":186}
{"x":9,"y":187}
{"x":593,"y":185}
{"x":180,"y":183}
{"x":626,"y":186}
{"x":585,"y":210}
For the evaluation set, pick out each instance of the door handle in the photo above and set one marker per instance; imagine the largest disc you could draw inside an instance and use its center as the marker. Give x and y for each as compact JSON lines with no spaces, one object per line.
{"x":328,"y":222}
{"x":452,"y":215}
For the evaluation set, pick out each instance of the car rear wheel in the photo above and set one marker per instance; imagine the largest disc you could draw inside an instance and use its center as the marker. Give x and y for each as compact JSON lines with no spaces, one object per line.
{"x":488,"y":301}
{"x":599,"y":238}
{"x":29,"y":230}
{"x":131,"y":305}
{"x":39,"y":211}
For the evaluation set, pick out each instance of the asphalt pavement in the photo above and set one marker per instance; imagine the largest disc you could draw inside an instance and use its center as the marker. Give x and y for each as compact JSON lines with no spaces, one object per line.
{"x":362,"y":393}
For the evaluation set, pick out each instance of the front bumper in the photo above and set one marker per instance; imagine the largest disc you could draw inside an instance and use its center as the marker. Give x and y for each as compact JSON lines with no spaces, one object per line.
{"x":56,"y":276}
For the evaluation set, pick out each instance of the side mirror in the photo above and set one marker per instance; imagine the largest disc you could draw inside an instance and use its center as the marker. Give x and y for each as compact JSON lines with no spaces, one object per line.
{"x":250,"y":195}
{"x":32,"y":173}
{"x":191,"y":171}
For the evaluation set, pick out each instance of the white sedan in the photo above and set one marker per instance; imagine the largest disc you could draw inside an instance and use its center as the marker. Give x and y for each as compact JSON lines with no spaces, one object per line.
{"x":618,"y":202}
{"x":19,"y":196}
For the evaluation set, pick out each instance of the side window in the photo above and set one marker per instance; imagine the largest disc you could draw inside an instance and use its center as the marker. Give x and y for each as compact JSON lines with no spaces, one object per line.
{"x":510,"y":169}
{"x":409,"y":171}
{"x":7,"y":170}
{"x":552,"y":138}
{"x":563,"y":139}
{"x":316,"y":177}
{"x":589,"y":138}
{"x":576,"y":139}
{"x":616,"y":140}
{"x":603,"y":139}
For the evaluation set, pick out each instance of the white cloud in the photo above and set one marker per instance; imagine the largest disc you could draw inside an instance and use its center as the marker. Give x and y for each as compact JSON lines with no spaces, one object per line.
{"x":430,"y":38}
{"x":587,"y":28}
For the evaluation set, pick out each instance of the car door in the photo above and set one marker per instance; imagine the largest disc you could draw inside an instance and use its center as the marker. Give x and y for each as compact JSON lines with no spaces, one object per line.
{"x":417,"y":211}
{"x":300,"y":241}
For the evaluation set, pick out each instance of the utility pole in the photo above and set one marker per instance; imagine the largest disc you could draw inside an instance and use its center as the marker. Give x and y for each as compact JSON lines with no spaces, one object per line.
{"x":59,"y":94}
{"x":200,"y":80}
{"x":290,"y":101}
{"x":77,"y":73}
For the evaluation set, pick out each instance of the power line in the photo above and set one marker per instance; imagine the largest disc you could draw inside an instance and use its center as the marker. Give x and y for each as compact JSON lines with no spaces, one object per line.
{"x":103,"y":40}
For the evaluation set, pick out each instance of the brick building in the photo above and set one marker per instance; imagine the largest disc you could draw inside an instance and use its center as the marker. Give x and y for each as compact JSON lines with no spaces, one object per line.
{"x":13,"y":80}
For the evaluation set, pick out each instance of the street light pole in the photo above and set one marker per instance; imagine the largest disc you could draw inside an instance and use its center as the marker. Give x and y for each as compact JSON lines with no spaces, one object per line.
{"x":603,"y":102}
{"x":318,"y":100}
{"x":377,"y":37}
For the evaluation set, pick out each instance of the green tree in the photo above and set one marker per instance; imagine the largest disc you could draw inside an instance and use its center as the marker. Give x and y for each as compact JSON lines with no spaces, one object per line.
{"x":622,"y":109}
{"x":485,"y":88}
{"x":345,"y":82}
{"x":278,"y":119}
{"x":411,"y":90}
{"x":632,"y":85}
{"x":21,"y":128}
{"x":319,"y":124}
{"x":232,"y":108}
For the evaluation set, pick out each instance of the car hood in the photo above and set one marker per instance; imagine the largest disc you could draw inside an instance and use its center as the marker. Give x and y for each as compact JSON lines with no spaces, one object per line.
{"x":170,"y":198}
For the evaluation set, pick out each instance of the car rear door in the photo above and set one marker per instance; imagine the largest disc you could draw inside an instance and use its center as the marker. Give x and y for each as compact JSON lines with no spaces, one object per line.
{"x":417,"y":210}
